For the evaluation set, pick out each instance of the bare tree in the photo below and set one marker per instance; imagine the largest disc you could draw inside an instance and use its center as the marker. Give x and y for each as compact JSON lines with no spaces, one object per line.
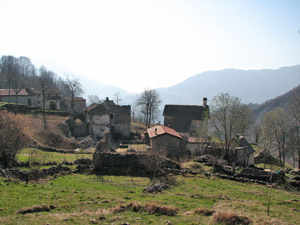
{"x":293,"y":112}
{"x":118,"y":97}
{"x":277,"y":131}
{"x":75,"y":88}
{"x":94,"y":99}
{"x":45,"y":83}
{"x":229,"y":117}
{"x":148,"y":104}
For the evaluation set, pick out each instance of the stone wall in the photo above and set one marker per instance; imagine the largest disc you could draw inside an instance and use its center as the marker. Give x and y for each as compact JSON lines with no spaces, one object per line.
{"x":130,"y":163}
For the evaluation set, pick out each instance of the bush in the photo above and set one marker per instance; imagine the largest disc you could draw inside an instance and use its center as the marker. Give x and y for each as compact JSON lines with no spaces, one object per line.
{"x":12,"y":137}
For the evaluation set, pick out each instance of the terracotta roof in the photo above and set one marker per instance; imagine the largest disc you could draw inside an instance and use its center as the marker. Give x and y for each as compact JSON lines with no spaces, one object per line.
{"x":7,"y":92}
{"x":160,"y":130}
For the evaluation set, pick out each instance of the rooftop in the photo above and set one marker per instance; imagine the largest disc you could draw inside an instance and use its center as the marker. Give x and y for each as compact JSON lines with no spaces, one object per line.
{"x":160,"y":130}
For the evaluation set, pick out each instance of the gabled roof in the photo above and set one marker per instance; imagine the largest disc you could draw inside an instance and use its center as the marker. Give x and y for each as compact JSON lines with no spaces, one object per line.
{"x":11,"y":92}
{"x":160,"y":130}
{"x":75,"y":99}
{"x":192,"y":111}
{"x":241,"y":141}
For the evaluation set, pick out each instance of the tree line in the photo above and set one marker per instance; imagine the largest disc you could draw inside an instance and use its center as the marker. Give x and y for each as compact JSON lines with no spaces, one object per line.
{"x":19,"y":73}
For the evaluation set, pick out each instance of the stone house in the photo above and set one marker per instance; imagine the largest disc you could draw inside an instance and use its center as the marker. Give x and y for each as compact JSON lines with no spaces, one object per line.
{"x":185,"y":118}
{"x":242,"y":150}
{"x":52,"y":97}
{"x":108,"y":116}
{"x":164,"y":141}
{"x":24,"y":97}
{"x":196,"y":145}
{"x":79,"y":104}
{"x":32,"y":97}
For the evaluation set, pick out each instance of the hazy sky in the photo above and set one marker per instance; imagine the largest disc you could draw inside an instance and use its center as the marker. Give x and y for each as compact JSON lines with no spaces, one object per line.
{"x":136,"y":44}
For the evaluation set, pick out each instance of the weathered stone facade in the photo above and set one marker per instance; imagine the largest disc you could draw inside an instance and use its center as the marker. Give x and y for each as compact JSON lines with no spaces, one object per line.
{"x":108,"y":117}
{"x":79,"y":104}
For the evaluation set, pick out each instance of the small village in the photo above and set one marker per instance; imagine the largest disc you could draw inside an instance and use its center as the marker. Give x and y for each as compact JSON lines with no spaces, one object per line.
{"x":108,"y":140}
{"x":149,"y":112}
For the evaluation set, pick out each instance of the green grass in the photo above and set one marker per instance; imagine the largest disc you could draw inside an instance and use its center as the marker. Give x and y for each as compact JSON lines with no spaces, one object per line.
{"x":81,"y":198}
{"x":32,"y":154}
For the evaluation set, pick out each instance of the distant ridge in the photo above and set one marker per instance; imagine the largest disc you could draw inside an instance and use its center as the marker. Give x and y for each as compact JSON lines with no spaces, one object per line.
{"x":252,"y":86}
{"x":280,"y":101}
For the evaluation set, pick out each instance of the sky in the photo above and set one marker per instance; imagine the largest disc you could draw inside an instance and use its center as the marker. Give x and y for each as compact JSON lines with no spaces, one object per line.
{"x":138,"y":44}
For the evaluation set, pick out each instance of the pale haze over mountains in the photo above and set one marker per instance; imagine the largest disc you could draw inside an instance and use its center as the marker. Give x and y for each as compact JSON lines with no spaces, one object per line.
{"x":252,"y":86}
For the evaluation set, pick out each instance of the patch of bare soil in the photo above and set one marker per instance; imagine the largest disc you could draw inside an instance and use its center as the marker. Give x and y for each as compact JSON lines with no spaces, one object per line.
{"x":52,"y":136}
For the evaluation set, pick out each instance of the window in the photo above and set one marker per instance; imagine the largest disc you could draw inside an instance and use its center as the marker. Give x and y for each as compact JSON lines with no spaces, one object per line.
{"x":29,"y":102}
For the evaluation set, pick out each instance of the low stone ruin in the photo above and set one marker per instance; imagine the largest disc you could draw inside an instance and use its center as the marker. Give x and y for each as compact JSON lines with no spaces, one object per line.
{"x":34,"y":174}
{"x":262,"y":175}
{"x":104,"y":145}
{"x":295,"y":182}
{"x":136,"y":164}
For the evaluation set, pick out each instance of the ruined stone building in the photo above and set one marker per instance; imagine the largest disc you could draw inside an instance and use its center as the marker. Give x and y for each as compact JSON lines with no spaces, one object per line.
{"x":184,"y":118}
{"x":243,"y":151}
{"x":79,"y":104}
{"x":165,"y":141}
{"x":108,"y":117}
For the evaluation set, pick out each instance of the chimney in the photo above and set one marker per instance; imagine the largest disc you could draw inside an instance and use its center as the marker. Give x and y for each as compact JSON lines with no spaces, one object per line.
{"x":204,"y":102}
{"x":155,"y":131}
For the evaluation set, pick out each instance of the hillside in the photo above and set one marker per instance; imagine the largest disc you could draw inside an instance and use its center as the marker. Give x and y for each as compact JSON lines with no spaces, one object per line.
{"x":280,"y":101}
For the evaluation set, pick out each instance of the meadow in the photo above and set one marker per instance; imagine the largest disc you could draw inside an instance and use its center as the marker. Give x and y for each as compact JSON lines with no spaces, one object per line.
{"x":91,"y":199}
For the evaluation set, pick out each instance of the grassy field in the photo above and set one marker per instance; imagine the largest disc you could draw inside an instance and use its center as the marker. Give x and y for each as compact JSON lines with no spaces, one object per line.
{"x":83,"y":199}
{"x":31,"y":154}
{"x":88,"y":199}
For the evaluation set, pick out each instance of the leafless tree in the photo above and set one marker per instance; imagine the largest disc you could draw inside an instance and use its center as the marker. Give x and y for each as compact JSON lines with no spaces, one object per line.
{"x":75,"y":88}
{"x":118,"y":97}
{"x":293,"y":112}
{"x":276,"y":130}
{"x":148,"y":104}
{"x":229,"y":117}
{"x":45,"y":83}
{"x":7,"y":69}
{"x":94,"y":99}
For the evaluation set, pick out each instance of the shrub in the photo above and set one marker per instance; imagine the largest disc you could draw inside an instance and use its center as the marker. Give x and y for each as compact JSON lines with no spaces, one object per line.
{"x":12,"y":136}
{"x":231,"y":218}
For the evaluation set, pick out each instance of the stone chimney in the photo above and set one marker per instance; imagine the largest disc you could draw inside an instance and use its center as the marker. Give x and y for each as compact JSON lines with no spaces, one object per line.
{"x":204,"y":102}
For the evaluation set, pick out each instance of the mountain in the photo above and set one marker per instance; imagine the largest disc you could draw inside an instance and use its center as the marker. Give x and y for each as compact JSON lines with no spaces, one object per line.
{"x":280,"y":101}
{"x":252,"y":86}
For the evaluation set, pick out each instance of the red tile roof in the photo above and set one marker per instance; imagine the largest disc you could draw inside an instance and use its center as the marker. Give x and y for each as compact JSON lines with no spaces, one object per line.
{"x":8,"y":92}
{"x":160,"y":130}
